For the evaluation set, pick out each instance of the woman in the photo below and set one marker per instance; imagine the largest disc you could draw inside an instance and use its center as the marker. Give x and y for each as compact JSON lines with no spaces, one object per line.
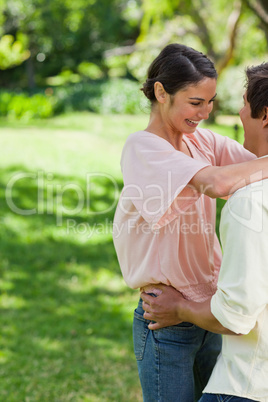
{"x":173,"y":171}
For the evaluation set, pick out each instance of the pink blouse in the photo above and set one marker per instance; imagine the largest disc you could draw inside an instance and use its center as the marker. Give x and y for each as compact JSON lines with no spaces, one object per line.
{"x":164,"y":230}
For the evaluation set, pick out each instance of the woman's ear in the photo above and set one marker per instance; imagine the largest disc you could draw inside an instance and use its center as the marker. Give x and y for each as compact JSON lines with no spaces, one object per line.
{"x":160,"y":92}
{"x":265,"y":118}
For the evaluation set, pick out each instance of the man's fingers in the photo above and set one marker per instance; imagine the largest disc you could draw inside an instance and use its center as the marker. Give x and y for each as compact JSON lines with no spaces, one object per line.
{"x":147,"y":315}
{"x":145,"y":306}
{"x":146,"y":298}
{"x":154,"y":325}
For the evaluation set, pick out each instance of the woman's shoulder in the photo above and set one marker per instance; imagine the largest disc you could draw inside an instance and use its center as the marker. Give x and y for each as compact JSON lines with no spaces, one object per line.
{"x":138,"y":136}
{"x":143,"y":135}
{"x":203,"y":139}
{"x":211,"y":139}
{"x":207,"y":135}
{"x":145,"y":139}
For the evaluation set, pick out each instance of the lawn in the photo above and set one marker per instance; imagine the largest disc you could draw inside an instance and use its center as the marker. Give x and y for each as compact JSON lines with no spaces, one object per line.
{"x":66,"y":314}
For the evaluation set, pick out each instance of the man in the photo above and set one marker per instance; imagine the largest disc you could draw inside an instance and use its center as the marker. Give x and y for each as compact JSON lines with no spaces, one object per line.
{"x":240,"y":305}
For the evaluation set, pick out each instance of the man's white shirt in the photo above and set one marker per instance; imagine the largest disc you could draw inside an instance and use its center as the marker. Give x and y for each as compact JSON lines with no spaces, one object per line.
{"x":241,"y":300}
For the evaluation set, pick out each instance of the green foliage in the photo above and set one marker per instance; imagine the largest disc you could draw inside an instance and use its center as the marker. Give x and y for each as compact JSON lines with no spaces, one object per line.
{"x":90,"y":70}
{"x":23,"y":106}
{"x":118,"y":96}
{"x":231,"y":87}
{"x":12,"y":52}
{"x":232,"y":36}
{"x":251,"y":42}
{"x":230,"y":90}
{"x":80,"y":36}
{"x":65,"y":77}
{"x":153,"y":12}
{"x":113,"y":96}
{"x":68,"y":33}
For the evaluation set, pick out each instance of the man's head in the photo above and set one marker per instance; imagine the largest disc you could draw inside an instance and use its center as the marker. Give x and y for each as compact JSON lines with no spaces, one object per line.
{"x":254,"y":114}
{"x":257,"y":89}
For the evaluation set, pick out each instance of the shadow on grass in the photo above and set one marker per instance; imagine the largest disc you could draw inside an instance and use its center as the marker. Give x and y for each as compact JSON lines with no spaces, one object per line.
{"x":65,"y":313}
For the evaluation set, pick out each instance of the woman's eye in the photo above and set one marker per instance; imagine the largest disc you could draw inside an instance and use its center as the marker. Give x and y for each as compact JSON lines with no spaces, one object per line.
{"x":195,"y":104}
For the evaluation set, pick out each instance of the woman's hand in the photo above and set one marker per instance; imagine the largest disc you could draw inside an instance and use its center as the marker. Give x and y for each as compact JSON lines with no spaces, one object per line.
{"x":163,"y":309}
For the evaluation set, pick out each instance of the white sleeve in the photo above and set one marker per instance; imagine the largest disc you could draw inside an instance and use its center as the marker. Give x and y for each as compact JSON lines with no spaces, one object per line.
{"x":242,"y":291}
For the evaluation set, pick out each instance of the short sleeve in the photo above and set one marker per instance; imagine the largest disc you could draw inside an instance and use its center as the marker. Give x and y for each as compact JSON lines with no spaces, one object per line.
{"x":222,"y":150}
{"x":155,"y":174}
{"x":243,"y":281}
{"x":228,"y":151}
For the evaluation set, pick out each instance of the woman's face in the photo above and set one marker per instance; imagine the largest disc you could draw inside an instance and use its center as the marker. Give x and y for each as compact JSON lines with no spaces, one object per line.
{"x":188,"y":107}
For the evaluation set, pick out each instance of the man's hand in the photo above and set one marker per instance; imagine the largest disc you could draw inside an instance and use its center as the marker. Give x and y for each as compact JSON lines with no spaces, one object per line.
{"x":170,"y":308}
{"x":163,"y":309}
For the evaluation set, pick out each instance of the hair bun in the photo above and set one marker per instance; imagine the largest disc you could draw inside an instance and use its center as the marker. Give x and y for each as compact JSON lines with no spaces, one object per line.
{"x":148,"y":89}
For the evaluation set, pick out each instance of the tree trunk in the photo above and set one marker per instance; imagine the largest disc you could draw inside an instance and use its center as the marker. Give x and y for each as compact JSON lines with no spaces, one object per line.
{"x":233,"y":22}
{"x":30,"y":73}
{"x":260,"y":8}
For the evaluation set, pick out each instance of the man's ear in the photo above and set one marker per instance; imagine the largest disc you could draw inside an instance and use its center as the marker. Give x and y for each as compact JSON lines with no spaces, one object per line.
{"x":265,"y":118}
{"x":160,"y":92}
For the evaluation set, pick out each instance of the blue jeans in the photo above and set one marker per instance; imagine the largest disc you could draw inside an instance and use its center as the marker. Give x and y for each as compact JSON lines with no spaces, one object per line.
{"x":223,"y":398}
{"x":174,"y":363}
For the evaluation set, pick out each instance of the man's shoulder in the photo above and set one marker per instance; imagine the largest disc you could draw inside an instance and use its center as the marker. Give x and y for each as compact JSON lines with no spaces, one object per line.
{"x":248,"y":207}
{"x":246,"y":191}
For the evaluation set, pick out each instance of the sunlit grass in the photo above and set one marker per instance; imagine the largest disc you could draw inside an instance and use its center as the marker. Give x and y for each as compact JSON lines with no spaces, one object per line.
{"x":65,"y":311}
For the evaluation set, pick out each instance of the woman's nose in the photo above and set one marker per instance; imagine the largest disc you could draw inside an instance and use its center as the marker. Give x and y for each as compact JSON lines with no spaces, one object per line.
{"x":204,"y":113}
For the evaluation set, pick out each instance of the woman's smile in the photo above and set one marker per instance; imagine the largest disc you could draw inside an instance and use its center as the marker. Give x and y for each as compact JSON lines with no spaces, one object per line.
{"x":188,"y":107}
{"x":192,"y":123}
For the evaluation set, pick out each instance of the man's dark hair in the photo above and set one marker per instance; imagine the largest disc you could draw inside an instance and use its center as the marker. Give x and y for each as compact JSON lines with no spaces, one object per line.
{"x":257,"y":89}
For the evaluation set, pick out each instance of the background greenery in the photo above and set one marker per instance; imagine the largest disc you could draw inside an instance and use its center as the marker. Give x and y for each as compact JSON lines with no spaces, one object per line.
{"x":91,"y":54}
{"x":65,"y":312}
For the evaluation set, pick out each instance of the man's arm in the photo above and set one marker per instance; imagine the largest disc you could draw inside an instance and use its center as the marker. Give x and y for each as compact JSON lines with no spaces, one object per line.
{"x":242,"y":287}
{"x":170,"y":308}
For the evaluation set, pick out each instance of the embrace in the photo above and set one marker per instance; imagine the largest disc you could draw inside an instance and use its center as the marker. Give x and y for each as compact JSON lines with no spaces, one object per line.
{"x":202,"y":319}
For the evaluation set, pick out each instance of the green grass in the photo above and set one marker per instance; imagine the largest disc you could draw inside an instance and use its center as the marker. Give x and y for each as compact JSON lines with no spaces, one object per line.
{"x":65,"y":312}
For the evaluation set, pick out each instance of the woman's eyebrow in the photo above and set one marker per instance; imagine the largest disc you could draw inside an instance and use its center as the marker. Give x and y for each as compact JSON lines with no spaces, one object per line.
{"x":201,"y":99}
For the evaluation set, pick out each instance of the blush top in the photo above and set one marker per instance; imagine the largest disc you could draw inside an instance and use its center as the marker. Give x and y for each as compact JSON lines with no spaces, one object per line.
{"x":164,"y":230}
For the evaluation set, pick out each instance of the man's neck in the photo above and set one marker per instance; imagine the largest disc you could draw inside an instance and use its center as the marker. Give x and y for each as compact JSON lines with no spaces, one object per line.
{"x":262,"y":151}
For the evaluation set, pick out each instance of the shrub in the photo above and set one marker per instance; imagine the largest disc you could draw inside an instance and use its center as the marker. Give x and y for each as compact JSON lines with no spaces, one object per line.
{"x":23,"y":106}
{"x":113,"y":96}
{"x":230,"y":90}
{"x":118,"y":96}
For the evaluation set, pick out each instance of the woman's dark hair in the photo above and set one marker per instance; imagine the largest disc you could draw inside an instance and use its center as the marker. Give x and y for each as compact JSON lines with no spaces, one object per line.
{"x":257,"y":89}
{"x":176,"y":67}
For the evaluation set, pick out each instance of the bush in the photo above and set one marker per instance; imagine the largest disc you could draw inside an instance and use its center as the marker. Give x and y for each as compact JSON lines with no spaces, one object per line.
{"x":230,"y":90}
{"x":114,"y":96}
{"x":23,"y":106}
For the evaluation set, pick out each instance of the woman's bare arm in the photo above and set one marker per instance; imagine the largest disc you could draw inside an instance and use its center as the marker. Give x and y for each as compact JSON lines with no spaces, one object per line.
{"x":221,"y":181}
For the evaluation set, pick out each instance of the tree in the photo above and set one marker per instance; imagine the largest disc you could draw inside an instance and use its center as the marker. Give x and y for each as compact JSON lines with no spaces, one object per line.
{"x":260,"y":8}
{"x":12,"y":52}
{"x":228,"y":32}
{"x":63,"y":33}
